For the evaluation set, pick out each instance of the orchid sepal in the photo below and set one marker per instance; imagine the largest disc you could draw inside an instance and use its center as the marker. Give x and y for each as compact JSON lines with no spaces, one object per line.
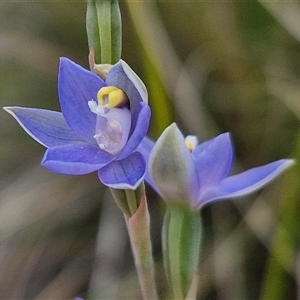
{"x":172,"y":169}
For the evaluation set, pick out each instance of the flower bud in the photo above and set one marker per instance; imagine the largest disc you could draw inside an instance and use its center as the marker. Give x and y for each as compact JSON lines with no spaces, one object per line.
{"x":103,"y":24}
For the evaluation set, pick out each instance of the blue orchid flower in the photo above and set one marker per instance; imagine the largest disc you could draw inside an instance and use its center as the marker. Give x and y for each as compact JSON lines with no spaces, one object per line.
{"x":101,"y":124}
{"x":193,"y":175}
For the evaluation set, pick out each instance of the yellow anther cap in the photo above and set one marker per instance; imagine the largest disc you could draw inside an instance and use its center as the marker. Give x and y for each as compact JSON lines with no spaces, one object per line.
{"x":111,"y":96}
{"x":191,"y":142}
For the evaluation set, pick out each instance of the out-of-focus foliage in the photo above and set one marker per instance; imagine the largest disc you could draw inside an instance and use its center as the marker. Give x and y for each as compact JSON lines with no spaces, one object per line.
{"x":215,"y":67}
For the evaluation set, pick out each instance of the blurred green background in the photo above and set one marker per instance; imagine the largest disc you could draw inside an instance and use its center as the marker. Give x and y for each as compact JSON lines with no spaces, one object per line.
{"x":210,"y":66}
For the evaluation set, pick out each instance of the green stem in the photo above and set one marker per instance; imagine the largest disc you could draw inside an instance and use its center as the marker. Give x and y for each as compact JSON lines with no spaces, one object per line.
{"x":132,"y":201}
{"x":181,"y":247}
{"x":173,"y":228}
{"x":121,"y":200}
{"x":139,"y":233}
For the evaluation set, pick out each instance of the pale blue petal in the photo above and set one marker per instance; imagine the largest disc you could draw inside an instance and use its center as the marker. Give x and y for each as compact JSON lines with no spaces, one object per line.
{"x":213,"y":161}
{"x":75,"y":159}
{"x":123,"y":77}
{"x":139,"y":128}
{"x":145,"y":149}
{"x":47,"y":127}
{"x":246,"y":182}
{"x":77,"y":86}
{"x":135,"y":79}
{"x":172,"y":168}
{"x":124,"y":174}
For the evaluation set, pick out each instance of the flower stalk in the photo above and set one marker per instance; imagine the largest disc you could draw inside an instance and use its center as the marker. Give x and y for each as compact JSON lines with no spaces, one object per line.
{"x":181,"y":238}
{"x":138,"y":225}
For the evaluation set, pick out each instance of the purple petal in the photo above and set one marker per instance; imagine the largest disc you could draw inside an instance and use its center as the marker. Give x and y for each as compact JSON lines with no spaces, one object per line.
{"x":213,"y":161}
{"x":75,"y":159}
{"x":77,"y":86}
{"x":47,"y":127}
{"x":123,"y":77}
{"x":145,"y":149}
{"x":124,"y":174}
{"x":139,"y":128}
{"x":135,"y":79}
{"x":246,"y":182}
{"x":172,"y":168}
